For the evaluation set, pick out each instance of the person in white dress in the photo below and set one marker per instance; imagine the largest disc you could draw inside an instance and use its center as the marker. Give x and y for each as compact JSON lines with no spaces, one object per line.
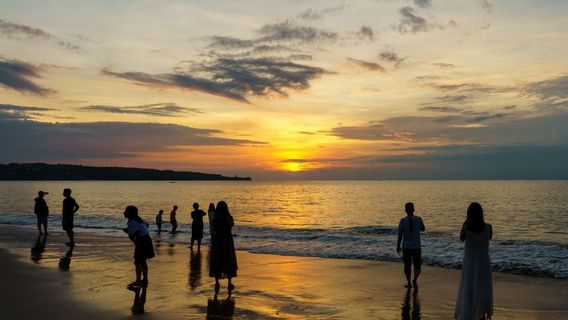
{"x":475,"y":294}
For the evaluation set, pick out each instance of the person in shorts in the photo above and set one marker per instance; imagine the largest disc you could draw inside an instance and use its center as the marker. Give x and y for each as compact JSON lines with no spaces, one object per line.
{"x":70,"y":207}
{"x":137,"y":230}
{"x":409,"y":229}
{"x":41,"y":211}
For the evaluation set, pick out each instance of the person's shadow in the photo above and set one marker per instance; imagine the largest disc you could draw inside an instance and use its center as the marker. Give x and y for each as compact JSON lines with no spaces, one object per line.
{"x":139,"y":299}
{"x":65,"y":261}
{"x":220,"y":309}
{"x":195,"y":270}
{"x":38,"y":248}
{"x":411,"y":306}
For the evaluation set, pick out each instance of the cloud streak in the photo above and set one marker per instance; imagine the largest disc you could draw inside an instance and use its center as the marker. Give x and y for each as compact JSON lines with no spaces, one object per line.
{"x":154,"y":109}
{"x":371,"y":66}
{"x":16,"y":75}
{"x":21,"y":31}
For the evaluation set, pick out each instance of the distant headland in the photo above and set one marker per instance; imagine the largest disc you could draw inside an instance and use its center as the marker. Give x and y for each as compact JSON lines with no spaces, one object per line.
{"x":43,"y":171}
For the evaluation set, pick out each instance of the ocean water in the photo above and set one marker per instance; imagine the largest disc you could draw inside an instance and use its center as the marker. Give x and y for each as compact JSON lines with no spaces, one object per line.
{"x":333,"y":219}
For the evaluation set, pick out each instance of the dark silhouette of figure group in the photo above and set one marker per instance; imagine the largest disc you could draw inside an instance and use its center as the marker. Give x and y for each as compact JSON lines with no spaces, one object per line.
{"x":475,"y":294}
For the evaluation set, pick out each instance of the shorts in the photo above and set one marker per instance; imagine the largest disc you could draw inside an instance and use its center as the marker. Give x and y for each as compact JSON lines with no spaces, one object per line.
{"x":412,"y":256}
{"x":67,"y":222}
{"x":41,"y":219}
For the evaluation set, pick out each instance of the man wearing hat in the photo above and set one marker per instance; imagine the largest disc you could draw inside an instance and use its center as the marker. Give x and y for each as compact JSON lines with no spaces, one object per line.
{"x":42,"y":211}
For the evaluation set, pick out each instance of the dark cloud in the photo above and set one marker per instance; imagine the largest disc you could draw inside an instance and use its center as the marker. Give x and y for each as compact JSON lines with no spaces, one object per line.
{"x":40,"y":141}
{"x":13,"y":107}
{"x":552,"y":94}
{"x":412,"y":23}
{"x":470,"y":87}
{"x":287,"y":31}
{"x":16,"y":75}
{"x":311,"y":14}
{"x":551,"y":89}
{"x":486,"y":5}
{"x":154,"y":109}
{"x":366,"y":33}
{"x":423,"y":3}
{"x":234,"y":78}
{"x":371,"y":66}
{"x":464,"y":125}
{"x":444,"y":65}
{"x":441,"y":109}
{"x":392,"y":58}
{"x":20,"y":31}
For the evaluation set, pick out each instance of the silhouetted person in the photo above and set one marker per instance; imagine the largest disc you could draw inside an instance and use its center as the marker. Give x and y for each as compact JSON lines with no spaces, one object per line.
{"x":143,"y":248}
{"x":70,"y":207}
{"x":211,"y":217}
{"x":159,"y":220}
{"x":220,"y":309}
{"x":41,"y":211}
{"x":65,"y":261}
{"x":194,"y":269}
{"x":222,"y":258}
{"x":173,"y":219}
{"x":475,"y":294}
{"x":139,"y":299}
{"x":409,"y":229}
{"x":197,"y":225}
{"x":39,"y":247}
{"x":411,"y":306}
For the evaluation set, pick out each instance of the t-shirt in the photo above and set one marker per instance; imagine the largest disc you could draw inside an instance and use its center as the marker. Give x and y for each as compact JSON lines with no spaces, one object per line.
{"x":68,"y":206}
{"x":137,"y":228}
{"x":411,"y":239}
{"x":41,"y":207}
{"x":159,"y":219}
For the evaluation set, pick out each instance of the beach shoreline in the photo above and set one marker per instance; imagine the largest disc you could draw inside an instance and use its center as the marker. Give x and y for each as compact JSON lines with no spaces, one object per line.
{"x":268,"y":286}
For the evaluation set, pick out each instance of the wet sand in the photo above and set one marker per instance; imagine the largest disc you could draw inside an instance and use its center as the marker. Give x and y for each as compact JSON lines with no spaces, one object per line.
{"x":268,"y":286}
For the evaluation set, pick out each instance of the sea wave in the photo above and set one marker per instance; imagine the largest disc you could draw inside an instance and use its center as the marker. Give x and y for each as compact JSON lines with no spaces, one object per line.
{"x":442,"y":249}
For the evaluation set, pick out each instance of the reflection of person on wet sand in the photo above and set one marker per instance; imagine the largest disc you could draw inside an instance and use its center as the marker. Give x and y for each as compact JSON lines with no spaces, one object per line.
{"x":194,"y":270}
{"x":411,"y":310}
{"x":42,"y":211}
{"x":65,"y":261}
{"x":139,"y":299}
{"x":220,"y":309}
{"x":39,"y":247}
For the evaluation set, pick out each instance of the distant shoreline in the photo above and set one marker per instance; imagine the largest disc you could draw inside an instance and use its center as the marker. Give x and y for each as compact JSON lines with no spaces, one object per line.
{"x":62,"y":172}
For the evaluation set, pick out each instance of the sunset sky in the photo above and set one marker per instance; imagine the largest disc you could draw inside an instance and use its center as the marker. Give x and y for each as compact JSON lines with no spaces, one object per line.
{"x":377,"y":89}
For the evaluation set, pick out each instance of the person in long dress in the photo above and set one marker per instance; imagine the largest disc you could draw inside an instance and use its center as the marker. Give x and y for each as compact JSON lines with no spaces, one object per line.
{"x":222,"y":257}
{"x":475,"y":294}
{"x":211,"y":218}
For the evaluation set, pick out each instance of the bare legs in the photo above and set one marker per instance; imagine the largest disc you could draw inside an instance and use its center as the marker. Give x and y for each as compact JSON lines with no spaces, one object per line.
{"x":71,"y":236}
{"x":141,"y":273}
{"x":230,"y":285}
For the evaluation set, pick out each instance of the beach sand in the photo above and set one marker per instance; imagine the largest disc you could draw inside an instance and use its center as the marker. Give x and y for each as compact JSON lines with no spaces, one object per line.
{"x":268,"y":286}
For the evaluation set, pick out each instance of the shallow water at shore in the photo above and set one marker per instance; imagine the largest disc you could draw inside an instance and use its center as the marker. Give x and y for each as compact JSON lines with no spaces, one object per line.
{"x":334,"y":219}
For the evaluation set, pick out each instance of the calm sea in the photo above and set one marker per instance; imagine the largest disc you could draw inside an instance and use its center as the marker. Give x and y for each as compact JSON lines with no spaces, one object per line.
{"x":338,"y":219}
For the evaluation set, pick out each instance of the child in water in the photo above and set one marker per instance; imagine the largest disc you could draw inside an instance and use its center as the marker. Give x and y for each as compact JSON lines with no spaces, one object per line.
{"x":143,"y":248}
{"x":159,"y":220}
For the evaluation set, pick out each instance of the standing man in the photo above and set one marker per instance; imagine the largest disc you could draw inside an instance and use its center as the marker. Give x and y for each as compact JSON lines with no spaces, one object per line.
{"x":42,"y":211}
{"x":173,"y":219}
{"x":409,"y":229}
{"x":70,"y":207}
